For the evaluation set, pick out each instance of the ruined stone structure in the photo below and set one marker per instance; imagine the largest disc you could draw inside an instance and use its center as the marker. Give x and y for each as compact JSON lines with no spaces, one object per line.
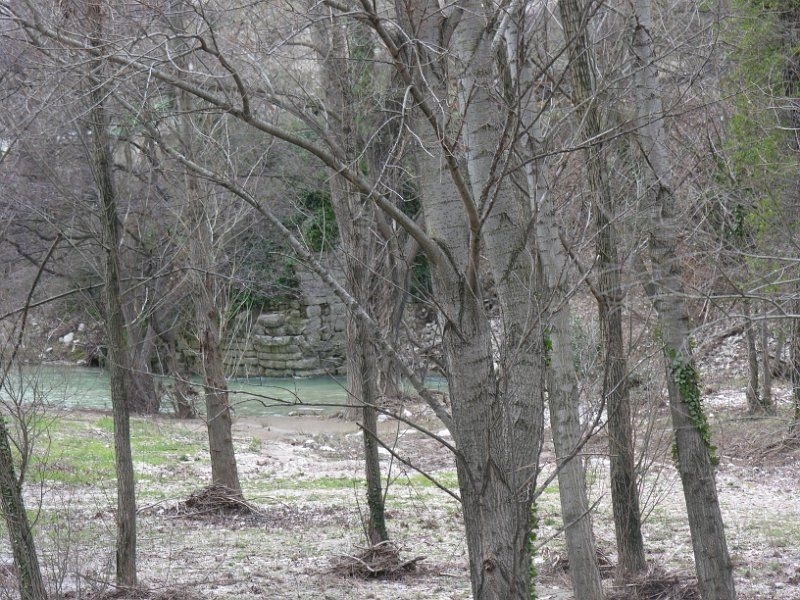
{"x":304,"y":338}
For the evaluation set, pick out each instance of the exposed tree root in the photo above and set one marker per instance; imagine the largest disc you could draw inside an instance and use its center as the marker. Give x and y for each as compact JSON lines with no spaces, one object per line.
{"x":381,"y":561}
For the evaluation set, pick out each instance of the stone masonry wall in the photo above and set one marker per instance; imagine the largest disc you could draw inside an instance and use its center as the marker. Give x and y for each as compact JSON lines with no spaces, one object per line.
{"x":304,"y":339}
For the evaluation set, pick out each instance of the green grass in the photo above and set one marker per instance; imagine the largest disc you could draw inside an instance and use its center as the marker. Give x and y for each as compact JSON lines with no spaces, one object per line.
{"x":82,"y":452}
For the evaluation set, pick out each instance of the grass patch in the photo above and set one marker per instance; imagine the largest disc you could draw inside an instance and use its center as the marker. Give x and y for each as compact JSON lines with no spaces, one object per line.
{"x":82,"y":452}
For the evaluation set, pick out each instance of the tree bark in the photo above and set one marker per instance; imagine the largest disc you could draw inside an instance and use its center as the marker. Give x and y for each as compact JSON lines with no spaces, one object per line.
{"x":562,"y":383}
{"x":609,"y":295}
{"x":23,"y":548}
{"x":795,"y":359}
{"x":497,"y":408}
{"x":753,"y":391}
{"x":355,"y":217}
{"x":766,"y":405}
{"x":693,"y":449}
{"x":101,"y":162}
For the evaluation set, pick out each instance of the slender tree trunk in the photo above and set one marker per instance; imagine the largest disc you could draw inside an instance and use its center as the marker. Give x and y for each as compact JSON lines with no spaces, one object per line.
{"x":752,"y":394}
{"x":26,"y":561}
{"x":766,"y":405}
{"x":692,"y":434}
{"x":794,"y":357}
{"x":143,"y":397}
{"x":566,"y":428}
{"x":363,"y":384}
{"x":562,"y":381}
{"x":356,"y":222}
{"x":609,"y":295}
{"x":207,"y":295}
{"x":101,"y":162}
{"x":118,"y":349}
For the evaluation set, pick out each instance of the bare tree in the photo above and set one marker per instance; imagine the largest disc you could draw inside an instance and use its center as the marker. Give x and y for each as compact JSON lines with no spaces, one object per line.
{"x":101,"y":161}
{"x":692,"y":435}
{"x":608,"y":291}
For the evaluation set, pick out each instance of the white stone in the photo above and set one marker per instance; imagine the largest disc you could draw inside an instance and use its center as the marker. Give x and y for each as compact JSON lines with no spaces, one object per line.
{"x":67,"y":339}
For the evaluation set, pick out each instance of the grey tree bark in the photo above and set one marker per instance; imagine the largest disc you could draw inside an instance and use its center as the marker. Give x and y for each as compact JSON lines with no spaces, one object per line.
{"x":692,"y":435}
{"x":753,"y":390}
{"x":766,"y":404}
{"x":207,"y":298}
{"x":355,"y":216}
{"x":20,"y":534}
{"x":575,"y":16}
{"x":497,"y":408}
{"x":101,"y":162}
{"x":794,"y":357}
{"x":562,"y":382}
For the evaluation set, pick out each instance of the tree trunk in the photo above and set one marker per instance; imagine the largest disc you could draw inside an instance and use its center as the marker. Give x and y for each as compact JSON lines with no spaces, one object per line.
{"x":563,"y":392}
{"x":795,"y":359}
{"x":609,"y":295}
{"x":101,"y":162}
{"x":207,"y":295}
{"x":26,"y":561}
{"x":567,"y":436}
{"x":184,"y":397}
{"x":355,"y":218}
{"x":766,"y":405}
{"x":692,"y":436}
{"x":497,"y":409}
{"x":143,"y":398}
{"x":224,"y":471}
{"x":752,"y":394}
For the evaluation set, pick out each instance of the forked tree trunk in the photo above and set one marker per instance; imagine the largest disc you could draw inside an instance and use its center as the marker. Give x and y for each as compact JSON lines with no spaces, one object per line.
{"x":20,"y":536}
{"x":497,"y":409}
{"x":692,"y":435}
{"x":609,"y":293}
{"x":207,"y":295}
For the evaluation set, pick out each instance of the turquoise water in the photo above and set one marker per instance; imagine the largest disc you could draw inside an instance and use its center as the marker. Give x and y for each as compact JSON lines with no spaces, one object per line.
{"x":83,"y":387}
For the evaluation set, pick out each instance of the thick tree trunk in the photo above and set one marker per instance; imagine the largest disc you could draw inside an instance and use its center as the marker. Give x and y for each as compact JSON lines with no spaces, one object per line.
{"x":609,"y":296}
{"x":497,"y":408}
{"x":692,"y":435}
{"x":26,"y":561}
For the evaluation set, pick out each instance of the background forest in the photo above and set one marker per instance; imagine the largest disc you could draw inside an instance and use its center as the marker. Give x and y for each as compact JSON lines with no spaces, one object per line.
{"x":561,"y":230}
